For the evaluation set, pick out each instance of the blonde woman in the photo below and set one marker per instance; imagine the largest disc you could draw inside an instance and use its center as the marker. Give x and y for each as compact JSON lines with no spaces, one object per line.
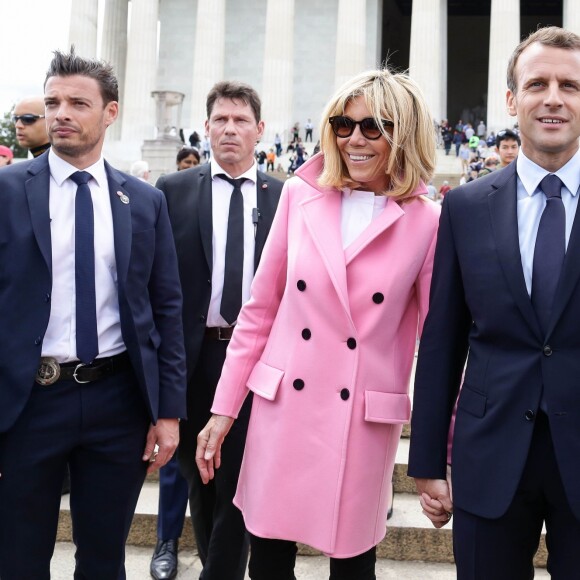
{"x":327,"y":340}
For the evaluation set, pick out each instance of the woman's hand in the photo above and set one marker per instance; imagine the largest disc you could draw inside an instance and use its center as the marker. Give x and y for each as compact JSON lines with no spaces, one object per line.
{"x":209,"y":445}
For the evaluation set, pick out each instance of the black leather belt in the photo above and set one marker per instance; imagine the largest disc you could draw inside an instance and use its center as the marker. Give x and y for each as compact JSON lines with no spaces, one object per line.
{"x":50,"y":371}
{"x":219,"y":332}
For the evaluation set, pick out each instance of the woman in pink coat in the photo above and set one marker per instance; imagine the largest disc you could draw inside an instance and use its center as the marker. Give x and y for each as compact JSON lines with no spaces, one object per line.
{"x":326,"y":342}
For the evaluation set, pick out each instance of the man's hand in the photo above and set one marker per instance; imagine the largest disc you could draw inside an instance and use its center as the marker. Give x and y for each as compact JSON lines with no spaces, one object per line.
{"x":166,"y":436}
{"x":435,"y":499}
{"x":209,"y":445}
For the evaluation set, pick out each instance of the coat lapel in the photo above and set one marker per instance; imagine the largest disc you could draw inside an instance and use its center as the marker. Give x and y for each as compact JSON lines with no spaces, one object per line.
{"x":37,"y":193}
{"x":570,"y":274}
{"x":504,"y":218}
{"x":322,"y":218}
{"x":388,"y":217}
{"x":122,"y":225}
{"x":266,"y":209}
{"x":205,"y":215}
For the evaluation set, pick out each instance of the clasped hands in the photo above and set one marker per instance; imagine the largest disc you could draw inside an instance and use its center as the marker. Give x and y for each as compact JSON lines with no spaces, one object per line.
{"x":436,"y":498}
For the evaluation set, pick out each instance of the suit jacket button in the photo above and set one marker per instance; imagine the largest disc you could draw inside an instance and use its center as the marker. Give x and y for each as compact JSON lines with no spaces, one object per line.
{"x":344,"y":394}
{"x":301,"y":285}
{"x":38,"y":340}
{"x":306,"y":334}
{"x":202,"y":318}
{"x":298,"y":384}
{"x":47,"y":297}
{"x":351,"y":343}
{"x":378,"y":297}
{"x":529,"y":415}
{"x":548,"y":350}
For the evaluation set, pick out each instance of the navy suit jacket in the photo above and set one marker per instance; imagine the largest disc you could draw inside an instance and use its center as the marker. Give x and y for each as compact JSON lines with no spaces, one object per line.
{"x":189,"y":199}
{"x":480,"y":310}
{"x":147,"y":280}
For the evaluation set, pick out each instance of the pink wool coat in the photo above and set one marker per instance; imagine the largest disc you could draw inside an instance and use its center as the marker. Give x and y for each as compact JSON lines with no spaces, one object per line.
{"x":326,"y":344}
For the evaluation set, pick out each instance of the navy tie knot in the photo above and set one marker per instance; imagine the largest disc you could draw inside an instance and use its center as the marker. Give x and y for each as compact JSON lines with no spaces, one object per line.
{"x":551,"y":185}
{"x":237,"y":183}
{"x":81,"y":177}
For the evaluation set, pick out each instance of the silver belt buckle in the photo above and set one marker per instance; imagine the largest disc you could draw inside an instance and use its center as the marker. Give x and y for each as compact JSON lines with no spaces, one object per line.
{"x":219,"y":329}
{"x":79,"y":366}
{"x":48,"y":371}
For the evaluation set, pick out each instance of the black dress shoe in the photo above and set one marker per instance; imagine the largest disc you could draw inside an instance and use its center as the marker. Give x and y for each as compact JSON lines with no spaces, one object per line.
{"x":164,"y":561}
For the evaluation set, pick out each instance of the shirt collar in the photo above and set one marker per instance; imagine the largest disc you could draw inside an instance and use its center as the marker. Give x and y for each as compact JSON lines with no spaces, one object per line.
{"x":61,"y":170}
{"x":251,"y":173}
{"x":531,"y":173}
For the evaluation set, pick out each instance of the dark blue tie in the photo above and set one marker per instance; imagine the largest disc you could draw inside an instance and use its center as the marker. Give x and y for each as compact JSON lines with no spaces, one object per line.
{"x":231,"y":303}
{"x":86,"y":306}
{"x":549,"y":251}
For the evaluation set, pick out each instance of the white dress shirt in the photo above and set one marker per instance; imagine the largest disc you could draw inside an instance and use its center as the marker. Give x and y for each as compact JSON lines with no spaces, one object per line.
{"x":221,"y":194}
{"x":358,"y":210}
{"x":531,"y":204}
{"x":60,"y":337}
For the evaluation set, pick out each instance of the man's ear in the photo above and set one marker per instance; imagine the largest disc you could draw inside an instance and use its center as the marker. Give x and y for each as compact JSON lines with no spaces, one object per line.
{"x":511,"y":103}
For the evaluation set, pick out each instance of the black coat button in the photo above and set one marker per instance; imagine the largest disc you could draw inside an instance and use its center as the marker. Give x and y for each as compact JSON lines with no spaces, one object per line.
{"x":301,"y":285}
{"x":38,"y":340}
{"x":47,"y":297}
{"x":378,"y":297}
{"x":529,"y":415}
{"x":548,"y":350}
{"x":351,"y":343}
{"x":344,"y":394}
{"x":306,"y":334}
{"x":202,"y":318}
{"x":298,"y":384}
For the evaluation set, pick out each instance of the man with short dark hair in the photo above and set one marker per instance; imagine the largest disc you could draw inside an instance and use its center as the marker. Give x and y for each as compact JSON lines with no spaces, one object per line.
{"x":92,"y":366}
{"x":503,"y":324}
{"x":30,"y":125}
{"x":507,"y":145}
{"x":216,"y":208}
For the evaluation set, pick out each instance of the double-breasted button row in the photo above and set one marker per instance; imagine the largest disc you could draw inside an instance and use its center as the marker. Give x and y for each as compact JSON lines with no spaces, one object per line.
{"x":298,"y":384}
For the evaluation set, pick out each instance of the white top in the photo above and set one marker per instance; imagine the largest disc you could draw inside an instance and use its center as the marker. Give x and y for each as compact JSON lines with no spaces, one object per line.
{"x":531,"y":204}
{"x":60,"y":337}
{"x":221,"y":194}
{"x":359,"y":209}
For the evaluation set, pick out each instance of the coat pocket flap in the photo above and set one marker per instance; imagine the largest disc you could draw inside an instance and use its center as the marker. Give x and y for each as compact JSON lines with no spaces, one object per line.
{"x":265,"y":380}
{"x":382,"y":407}
{"x":472,"y":402}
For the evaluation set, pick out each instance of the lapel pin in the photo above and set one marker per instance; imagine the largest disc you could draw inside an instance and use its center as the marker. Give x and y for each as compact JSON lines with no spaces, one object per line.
{"x":123,"y":197}
{"x":264,"y":186}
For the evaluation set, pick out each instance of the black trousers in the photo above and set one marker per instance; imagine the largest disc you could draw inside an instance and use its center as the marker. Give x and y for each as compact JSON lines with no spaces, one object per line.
{"x":99,"y":429}
{"x":503,"y":548}
{"x":275,"y":559}
{"x":219,"y":529}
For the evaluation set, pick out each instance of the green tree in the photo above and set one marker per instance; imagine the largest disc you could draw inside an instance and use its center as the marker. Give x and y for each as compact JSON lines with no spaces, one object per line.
{"x":8,"y":136}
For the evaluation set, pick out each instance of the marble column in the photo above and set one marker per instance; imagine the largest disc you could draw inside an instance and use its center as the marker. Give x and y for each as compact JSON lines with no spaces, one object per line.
{"x":571,"y":15}
{"x":428,"y":53}
{"x":350,"y":40}
{"x":114,"y":51}
{"x":504,"y":36}
{"x":83,"y":27}
{"x":209,"y":54}
{"x":278,"y":81}
{"x":141,"y":73}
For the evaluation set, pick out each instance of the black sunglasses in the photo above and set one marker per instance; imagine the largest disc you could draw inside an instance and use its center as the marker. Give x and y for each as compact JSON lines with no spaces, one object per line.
{"x":343,"y":126}
{"x":26,"y":119}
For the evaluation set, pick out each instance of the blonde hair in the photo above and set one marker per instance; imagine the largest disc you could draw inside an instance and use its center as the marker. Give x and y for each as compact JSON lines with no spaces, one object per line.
{"x":394,"y":97}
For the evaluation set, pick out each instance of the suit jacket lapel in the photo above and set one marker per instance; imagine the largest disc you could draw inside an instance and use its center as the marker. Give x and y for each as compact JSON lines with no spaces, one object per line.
{"x":570,"y":274}
{"x":322,"y":218}
{"x":205,"y":215}
{"x":504,"y":219}
{"x":266,"y":209}
{"x":122,"y":225}
{"x":37,"y":193}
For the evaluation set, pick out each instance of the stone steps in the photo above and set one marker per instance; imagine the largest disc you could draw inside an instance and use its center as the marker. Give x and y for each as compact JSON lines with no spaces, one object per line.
{"x":410,"y":535}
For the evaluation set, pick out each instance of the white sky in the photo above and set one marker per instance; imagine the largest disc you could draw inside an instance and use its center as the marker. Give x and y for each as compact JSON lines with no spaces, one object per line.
{"x":31,"y":30}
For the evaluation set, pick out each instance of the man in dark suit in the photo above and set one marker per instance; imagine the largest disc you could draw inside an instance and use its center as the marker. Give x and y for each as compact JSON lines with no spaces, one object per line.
{"x":201,"y":205}
{"x":505,"y":296}
{"x":92,"y":363}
